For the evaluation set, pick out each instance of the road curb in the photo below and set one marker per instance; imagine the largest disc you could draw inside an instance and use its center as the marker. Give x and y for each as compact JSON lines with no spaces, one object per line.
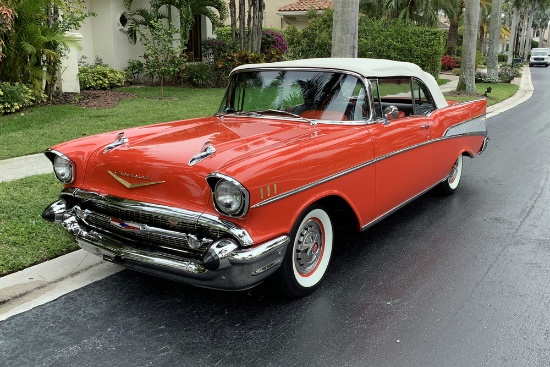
{"x":45,"y":282}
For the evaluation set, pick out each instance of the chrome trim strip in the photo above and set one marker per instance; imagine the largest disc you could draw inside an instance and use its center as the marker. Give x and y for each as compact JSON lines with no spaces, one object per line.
{"x":358,"y":167}
{"x":386,"y":214}
{"x":474,"y":126}
{"x":201,"y":219}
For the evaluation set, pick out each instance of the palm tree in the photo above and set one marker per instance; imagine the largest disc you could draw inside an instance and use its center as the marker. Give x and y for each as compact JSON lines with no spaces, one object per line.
{"x":494,"y":38}
{"x":345,"y":28}
{"x":466,"y":81}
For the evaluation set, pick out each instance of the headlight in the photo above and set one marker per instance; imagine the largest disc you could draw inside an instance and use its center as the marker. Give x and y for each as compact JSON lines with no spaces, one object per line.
{"x":63,"y":169}
{"x":229,"y":197}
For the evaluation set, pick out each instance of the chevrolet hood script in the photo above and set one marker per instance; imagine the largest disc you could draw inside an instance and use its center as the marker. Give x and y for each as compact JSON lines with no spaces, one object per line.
{"x":117,"y":175}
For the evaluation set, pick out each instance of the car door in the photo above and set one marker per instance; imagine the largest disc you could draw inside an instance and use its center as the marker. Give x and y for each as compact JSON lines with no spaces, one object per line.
{"x":401,"y":146}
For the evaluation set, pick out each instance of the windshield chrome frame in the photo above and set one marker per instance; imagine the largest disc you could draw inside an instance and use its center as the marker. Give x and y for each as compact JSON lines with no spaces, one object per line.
{"x":366,"y":85}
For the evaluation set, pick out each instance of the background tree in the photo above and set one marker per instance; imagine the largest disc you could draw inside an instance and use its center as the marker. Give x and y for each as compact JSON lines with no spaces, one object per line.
{"x":514,"y":30}
{"x":494,"y":39}
{"x":466,"y":81}
{"x":345,"y":28}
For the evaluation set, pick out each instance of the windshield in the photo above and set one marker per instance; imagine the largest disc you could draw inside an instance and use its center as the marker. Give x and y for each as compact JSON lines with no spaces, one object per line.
{"x":539,"y":53}
{"x":321,"y":95}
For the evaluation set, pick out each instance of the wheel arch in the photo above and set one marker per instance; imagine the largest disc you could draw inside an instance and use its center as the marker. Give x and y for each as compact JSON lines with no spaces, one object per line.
{"x":341,"y":213}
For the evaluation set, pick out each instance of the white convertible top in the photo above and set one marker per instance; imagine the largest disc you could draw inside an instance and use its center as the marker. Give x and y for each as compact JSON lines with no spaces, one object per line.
{"x":369,"y":68}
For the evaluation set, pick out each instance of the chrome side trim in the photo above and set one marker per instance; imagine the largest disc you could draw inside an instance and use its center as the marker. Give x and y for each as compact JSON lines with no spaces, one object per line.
{"x":200,"y":219}
{"x":336,"y":175}
{"x":467,"y":130}
{"x":391,"y":211}
{"x":475,"y":126}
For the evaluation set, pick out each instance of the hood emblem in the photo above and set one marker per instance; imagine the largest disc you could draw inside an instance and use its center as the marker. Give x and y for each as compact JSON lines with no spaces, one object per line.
{"x":206,"y":151}
{"x":118,"y":176}
{"x":119,"y":140}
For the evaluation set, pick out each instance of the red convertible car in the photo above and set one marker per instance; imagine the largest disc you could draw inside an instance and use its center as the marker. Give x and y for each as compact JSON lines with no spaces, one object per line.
{"x":255,"y":191}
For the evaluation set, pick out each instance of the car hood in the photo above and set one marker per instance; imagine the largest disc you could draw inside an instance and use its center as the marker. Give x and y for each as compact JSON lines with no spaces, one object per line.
{"x":153,"y":165}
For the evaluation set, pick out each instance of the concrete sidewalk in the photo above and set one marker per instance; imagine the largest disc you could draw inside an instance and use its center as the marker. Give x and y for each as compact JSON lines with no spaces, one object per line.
{"x":24,"y":290}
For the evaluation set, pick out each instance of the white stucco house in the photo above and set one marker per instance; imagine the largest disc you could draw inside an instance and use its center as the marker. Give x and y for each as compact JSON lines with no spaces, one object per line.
{"x":106,"y":34}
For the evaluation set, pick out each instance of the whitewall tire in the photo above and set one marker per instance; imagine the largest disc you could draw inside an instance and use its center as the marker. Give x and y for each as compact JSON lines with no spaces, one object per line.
{"x":308,"y":253}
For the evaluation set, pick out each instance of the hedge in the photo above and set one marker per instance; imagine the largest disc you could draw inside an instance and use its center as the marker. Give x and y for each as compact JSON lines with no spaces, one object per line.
{"x":378,"y":39}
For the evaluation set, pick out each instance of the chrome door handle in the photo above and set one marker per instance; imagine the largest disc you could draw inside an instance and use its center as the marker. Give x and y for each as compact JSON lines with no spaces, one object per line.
{"x":426,"y":126}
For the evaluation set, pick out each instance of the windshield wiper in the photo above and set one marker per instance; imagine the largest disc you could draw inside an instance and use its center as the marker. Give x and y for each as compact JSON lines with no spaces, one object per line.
{"x":280,"y":112}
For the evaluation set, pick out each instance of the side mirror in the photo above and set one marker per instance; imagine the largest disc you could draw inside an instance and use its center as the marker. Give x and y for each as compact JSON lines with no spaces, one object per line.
{"x":390,"y":112}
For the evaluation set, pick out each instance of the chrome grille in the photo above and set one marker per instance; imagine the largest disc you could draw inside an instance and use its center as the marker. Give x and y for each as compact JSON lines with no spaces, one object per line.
{"x":136,"y":215}
{"x":100,"y":214}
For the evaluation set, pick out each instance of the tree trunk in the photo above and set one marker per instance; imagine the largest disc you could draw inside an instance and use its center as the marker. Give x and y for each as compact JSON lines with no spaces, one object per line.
{"x":494,"y":38}
{"x":541,"y":36}
{"x":452,"y":37}
{"x":233,"y":18}
{"x":466,"y":81}
{"x":242,"y":24}
{"x":513,"y":35}
{"x":249,"y":25}
{"x":523,"y":32}
{"x":345,"y":28}
{"x":531,"y":15}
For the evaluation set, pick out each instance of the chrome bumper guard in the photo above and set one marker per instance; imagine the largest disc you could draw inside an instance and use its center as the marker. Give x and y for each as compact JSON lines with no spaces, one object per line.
{"x":234,"y":268}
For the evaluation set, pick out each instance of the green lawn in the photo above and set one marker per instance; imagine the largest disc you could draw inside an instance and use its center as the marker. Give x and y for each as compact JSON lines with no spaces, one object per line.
{"x":499,"y":93}
{"x":25,"y":238}
{"x":36,"y":129}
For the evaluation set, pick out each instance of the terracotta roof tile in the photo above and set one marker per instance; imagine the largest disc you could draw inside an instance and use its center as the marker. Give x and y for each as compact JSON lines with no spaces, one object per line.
{"x":305,"y":5}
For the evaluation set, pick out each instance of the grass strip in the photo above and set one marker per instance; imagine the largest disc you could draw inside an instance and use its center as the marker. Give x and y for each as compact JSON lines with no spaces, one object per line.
{"x":25,"y":238}
{"x":499,"y":93}
{"x":38,"y":128}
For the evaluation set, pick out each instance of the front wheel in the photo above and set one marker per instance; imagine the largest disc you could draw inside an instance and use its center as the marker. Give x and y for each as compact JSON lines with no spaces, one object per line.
{"x":450,"y":184}
{"x":307,"y":255}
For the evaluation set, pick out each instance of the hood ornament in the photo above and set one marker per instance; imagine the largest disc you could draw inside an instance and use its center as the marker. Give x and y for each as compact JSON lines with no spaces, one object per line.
{"x":119,"y":140}
{"x":118,"y":176}
{"x":206,"y":151}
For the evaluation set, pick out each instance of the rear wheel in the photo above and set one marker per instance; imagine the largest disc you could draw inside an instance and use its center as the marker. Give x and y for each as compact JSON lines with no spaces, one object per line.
{"x":307,"y":255}
{"x":450,"y":184}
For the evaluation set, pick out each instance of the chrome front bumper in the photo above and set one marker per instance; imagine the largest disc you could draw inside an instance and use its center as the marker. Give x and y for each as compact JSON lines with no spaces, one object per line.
{"x":235,"y":268}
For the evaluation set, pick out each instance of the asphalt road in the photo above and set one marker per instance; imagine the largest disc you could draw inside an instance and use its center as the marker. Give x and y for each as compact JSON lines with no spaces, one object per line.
{"x":454,"y":281}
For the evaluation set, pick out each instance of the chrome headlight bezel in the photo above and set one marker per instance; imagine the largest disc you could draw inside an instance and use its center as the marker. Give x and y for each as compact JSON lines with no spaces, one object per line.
{"x":63,"y":167}
{"x":218,"y":183}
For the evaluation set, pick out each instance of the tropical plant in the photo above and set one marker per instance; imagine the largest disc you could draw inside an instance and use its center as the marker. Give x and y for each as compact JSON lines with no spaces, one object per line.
{"x":37,"y":40}
{"x":214,"y":10}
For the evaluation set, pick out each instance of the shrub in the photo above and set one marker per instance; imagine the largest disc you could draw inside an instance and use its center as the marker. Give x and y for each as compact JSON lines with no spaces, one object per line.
{"x":506,"y":74}
{"x":273,"y":40}
{"x":134,"y":68}
{"x":378,"y":39}
{"x":213,"y":48}
{"x":502,"y":58}
{"x":200,"y":74}
{"x":14,"y":97}
{"x":450,"y":62}
{"x":100,"y":77}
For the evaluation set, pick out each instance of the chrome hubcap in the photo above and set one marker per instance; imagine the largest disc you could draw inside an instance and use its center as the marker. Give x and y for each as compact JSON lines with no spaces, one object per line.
{"x":454,"y":172}
{"x":309,"y":247}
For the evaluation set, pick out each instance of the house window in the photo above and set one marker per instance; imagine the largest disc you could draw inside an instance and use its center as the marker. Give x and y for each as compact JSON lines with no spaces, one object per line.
{"x":122,"y":21}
